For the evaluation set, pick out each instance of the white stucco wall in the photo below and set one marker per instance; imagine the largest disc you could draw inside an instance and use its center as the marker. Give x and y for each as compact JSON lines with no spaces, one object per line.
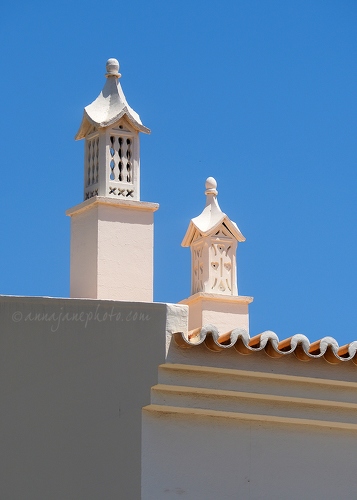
{"x":225,"y":312}
{"x":84,"y":254}
{"x":204,"y":458}
{"x":74,"y":375}
{"x":112,"y":254}
{"x":229,"y":426}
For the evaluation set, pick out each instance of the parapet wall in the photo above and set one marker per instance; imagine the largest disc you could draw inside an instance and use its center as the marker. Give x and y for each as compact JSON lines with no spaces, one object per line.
{"x":75,"y":374}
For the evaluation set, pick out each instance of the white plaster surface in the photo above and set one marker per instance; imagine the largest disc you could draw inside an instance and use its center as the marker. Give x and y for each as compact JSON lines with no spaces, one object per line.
{"x":176,"y":321}
{"x":112,"y":250}
{"x":74,"y":375}
{"x":229,"y":426}
{"x":84,"y":254}
{"x":205,"y":458}
{"x":226,"y":313}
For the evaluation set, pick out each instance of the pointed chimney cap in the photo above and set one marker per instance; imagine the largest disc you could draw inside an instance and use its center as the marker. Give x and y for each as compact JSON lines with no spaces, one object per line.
{"x":211,"y":217}
{"x":110,"y":105}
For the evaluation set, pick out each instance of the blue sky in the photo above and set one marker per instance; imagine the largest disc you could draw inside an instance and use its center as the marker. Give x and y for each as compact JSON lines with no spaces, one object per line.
{"x":259,"y":94}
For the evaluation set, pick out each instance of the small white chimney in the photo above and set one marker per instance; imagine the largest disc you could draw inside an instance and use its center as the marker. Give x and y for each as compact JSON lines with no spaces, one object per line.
{"x":112,"y":230}
{"x":213,"y":239}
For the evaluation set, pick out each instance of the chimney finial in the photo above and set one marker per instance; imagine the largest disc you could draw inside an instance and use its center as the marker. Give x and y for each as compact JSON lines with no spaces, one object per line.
{"x":211,"y":185}
{"x":112,"y":67}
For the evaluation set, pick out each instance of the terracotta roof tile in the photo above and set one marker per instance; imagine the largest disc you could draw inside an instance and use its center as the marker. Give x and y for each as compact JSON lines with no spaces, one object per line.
{"x":239,"y":339}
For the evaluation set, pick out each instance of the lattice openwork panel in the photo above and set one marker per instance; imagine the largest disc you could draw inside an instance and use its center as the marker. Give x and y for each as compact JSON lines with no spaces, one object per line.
{"x":121,"y":152}
{"x":92,"y":166}
{"x":121,"y":166}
